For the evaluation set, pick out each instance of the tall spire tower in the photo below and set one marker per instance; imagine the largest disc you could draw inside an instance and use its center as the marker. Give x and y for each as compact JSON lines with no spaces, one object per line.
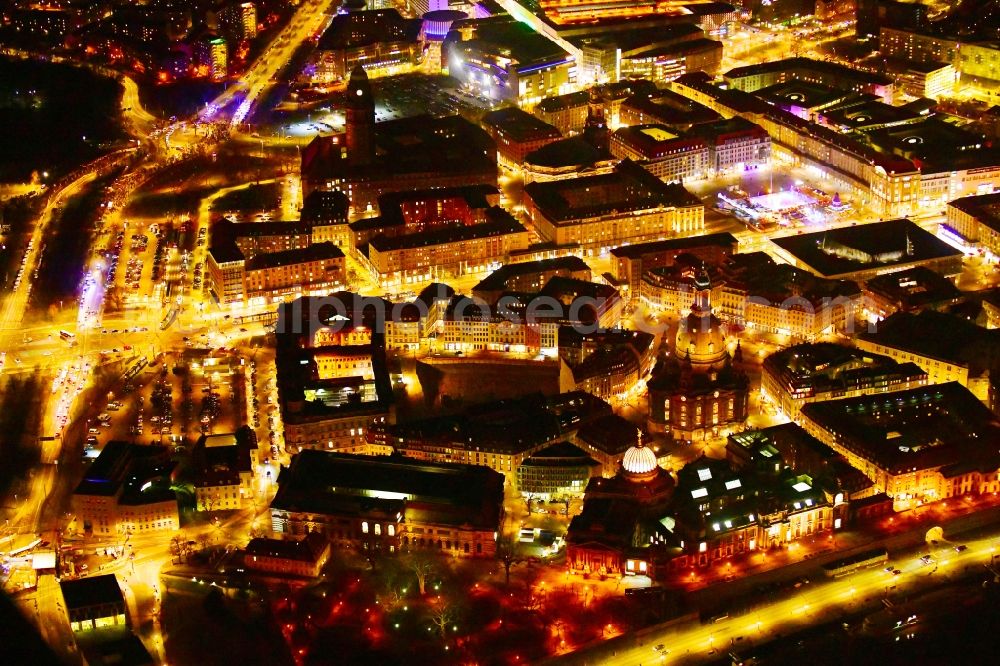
{"x":360,"y":118}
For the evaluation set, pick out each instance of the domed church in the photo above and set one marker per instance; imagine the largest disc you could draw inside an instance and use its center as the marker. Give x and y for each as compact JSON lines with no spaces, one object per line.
{"x":697,"y":393}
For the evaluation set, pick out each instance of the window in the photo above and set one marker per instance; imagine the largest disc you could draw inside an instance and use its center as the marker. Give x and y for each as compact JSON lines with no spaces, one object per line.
{"x":364,"y":527}
{"x":392,"y":529}
{"x":704,"y":474}
{"x":378,"y":529}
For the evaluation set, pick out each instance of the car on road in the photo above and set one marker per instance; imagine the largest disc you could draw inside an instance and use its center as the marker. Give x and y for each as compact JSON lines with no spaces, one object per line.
{"x":961,"y":548}
{"x":926,"y":559}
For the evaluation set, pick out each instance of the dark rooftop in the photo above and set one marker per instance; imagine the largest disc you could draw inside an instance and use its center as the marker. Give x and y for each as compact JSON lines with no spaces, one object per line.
{"x":877,"y":245}
{"x":364,"y":28}
{"x":519,"y":125}
{"x":723,"y":240}
{"x":92,"y":591}
{"x":629,"y":187}
{"x":315,"y":252}
{"x":921,"y":428}
{"x":940,"y":336}
{"x":464,"y":493}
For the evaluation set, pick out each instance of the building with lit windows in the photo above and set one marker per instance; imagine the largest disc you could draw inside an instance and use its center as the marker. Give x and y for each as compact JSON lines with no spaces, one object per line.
{"x":976,"y":221}
{"x":505,"y":59}
{"x":517,"y":133}
{"x":529,"y":276}
{"x":212,"y":57}
{"x":921,"y":445}
{"x":817,"y":372}
{"x":631,"y":262}
{"x":501,"y":434}
{"x":605,"y":363}
{"x":240,"y":20}
{"x":666,"y":154}
{"x":835,"y":75}
{"x":699,"y":392}
{"x":560,"y":471}
{"x":233,"y":278}
{"x":329,"y":396}
{"x":621,"y":529}
{"x":603,"y":211}
{"x":947,"y":347}
{"x":917,"y":46}
{"x":721,"y":512}
{"x":414,"y":153}
{"x":791,"y":446}
{"x":223,"y":467}
{"x":667,"y":62}
{"x":447,"y":251}
{"x":751,"y":290}
{"x":389,"y":504}
{"x":665,"y":107}
{"x":126,"y":490}
{"x":378,"y":40}
{"x":94,"y":602}
{"x":911,"y":290}
{"x":303,"y":557}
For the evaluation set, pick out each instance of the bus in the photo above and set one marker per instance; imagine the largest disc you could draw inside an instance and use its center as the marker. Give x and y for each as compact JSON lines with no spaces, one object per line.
{"x":66,"y":335}
{"x":849,"y":565}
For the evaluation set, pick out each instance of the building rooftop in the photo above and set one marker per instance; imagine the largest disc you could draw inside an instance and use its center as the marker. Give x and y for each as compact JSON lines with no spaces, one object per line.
{"x":92,"y":591}
{"x":667,"y":107}
{"x":928,"y":427}
{"x":628,"y":188}
{"x":414,"y":145}
{"x":800,"y":64}
{"x":124,"y":468}
{"x":915,"y":288}
{"x":878,"y":245}
{"x":939,"y":336}
{"x":610,"y":434}
{"x":315,"y":252}
{"x":811,"y":368}
{"x":722,"y":240}
{"x":573,"y":151}
{"x":499,"y":279}
{"x":365,"y":28}
{"x":318,"y":481}
{"x":560,"y":454}
{"x":519,"y":125}
{"x":500,"y":223}
{"x":308,"y":549}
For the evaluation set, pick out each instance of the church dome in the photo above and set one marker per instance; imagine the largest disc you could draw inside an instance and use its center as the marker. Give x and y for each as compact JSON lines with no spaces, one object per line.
{"x":639,"y":460}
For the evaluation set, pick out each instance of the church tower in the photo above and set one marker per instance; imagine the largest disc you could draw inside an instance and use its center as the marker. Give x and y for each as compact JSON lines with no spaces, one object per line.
{"x":360,"y":118}
{"x":595,"y":130}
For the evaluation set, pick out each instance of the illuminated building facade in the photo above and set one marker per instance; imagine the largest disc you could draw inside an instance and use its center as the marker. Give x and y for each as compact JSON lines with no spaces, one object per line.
{"x":380,"y":41}
{"x":390,"y":504}
{"x":94,"y":602}
{"x":126,"y":491}
{"x":920,"y":445}
{"x":213,"y":57}
{"x":414,"y":153}
{"x":224,"y":467}
{"x":603,"y":211}
{"x":948,"y":347}
{"x":976,"y":220}
{"x":698,"y":392}
{"x":303,"y":557}
{"x":507,"y":60}
{"x":662,"y":152}
{"x":328,"y":403}
{"x":264,"y":277}
{"x":808,"y":373}
{"x":516,"y":134}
